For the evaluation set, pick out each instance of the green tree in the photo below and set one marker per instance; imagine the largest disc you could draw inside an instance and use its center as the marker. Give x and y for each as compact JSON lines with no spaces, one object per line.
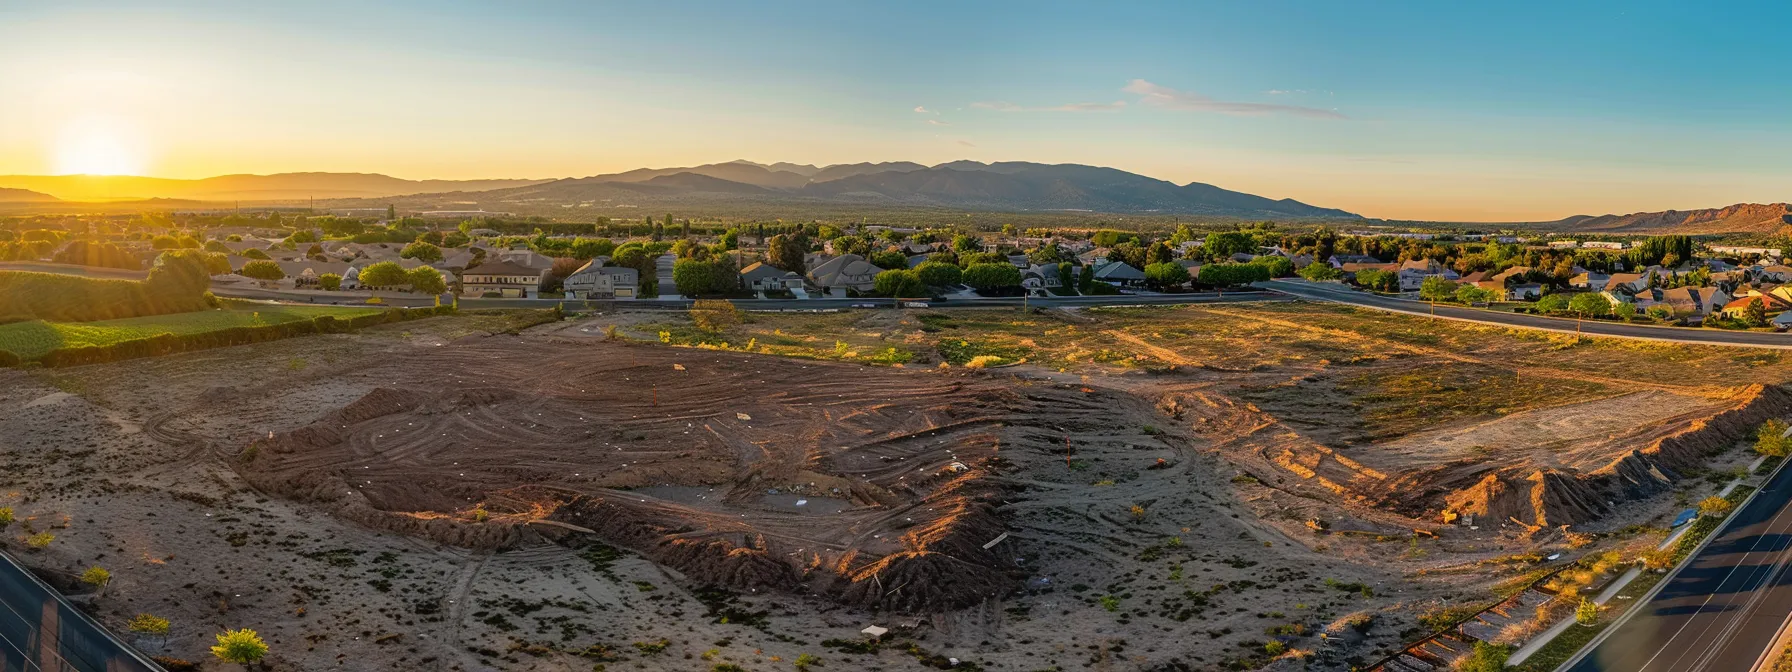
{"x":1437,"y":288}
{"x":695,"y":277}
{"x":1165,"y":275}
{"x":1223,"y":245}
{"x":1066,"y":278}
{"x":1590,"y":304}
{"x":786,"y":251}
{"x":421,"y":251}
{"x":255,"y":253}
{"x":939,"y":274}
{"x":1320,"y":272}
{"x":383,"y":274}
{"x":262,"y":270}
{"x":1085,"y":281}
{"x":243,"y":647}
{"x":889,"y":260}
{"x":1277,"y":266}
{"x":329,"y":282}
{"x":1378,"y":280}
{"x":1625,"y":311}
{"x":1756,"y":313}
{"x":1553,"y":303}
{"x":1468,"y":293}
{"x":900,"y":283}
{"x":992,"y":276}
{"x":427,"y":280}
{"x":964,"y":243}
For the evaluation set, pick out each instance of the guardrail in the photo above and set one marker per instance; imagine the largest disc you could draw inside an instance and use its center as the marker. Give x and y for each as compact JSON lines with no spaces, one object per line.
{"x":42,"y":631}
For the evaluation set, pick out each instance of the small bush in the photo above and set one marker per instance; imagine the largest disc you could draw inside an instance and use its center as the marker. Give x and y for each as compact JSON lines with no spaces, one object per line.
{"x":40,"y":541}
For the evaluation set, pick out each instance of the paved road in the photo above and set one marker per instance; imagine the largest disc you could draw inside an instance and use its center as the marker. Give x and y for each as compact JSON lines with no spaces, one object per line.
{"x":1341,"y":294}
{"x":39,"y":632}
{"x":412,"y":300}
{"x":1721,"y":611}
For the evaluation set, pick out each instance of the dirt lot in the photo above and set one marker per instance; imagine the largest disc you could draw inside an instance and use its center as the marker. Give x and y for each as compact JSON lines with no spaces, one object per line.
{"x":1178,"y":488}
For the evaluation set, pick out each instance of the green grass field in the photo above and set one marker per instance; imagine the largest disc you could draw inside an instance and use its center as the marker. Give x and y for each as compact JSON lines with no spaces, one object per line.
{"x":30,"y":340}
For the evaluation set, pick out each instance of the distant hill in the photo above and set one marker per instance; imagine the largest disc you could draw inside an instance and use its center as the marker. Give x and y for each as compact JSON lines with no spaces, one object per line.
{"x":1740,"y":218}
{"x":279,"y":187}
{"x":1007,"y":186}
{"x":24,"y":196}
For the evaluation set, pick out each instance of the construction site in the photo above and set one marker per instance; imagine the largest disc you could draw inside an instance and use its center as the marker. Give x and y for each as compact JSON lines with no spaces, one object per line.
{"x":1001,"y":490}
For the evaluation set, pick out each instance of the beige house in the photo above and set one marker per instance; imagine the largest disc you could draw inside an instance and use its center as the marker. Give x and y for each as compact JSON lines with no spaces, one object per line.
{"x":503,"y":279}
{"x":594,"y":280}
{"x":847,"y":271}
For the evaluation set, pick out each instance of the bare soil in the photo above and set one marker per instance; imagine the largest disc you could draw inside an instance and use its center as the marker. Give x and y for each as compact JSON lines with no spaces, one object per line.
{"x":1154,"y":490}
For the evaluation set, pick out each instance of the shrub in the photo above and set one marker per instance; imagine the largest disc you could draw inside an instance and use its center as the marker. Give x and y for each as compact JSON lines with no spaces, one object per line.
{"x":253,"y":253}
{"x":146,"y":624}
{"x":383,"y":274}
{"x":40,"y":541}
{"x":243,"y":647}
{"x":5,"y":517}
{"x":1321,"y":272}
{"x":262,"y":270}
{"x":1770,"y":439}
{"x":1587,"y":613}
{"x":421,"y":251}
{"x":96,"y":576}
{"x":715,"y":315}
{"x":176,"y":285}
{"x":1166,"y":275}
{"x":1715,"y":506}
{"x":329,"y":281}
{"x":1485,"y":658}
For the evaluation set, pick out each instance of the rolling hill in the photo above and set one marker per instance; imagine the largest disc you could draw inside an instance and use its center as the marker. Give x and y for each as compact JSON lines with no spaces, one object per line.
{"x":279,"y":187}
{"x":1739,"y":218}
{"x":24,"y":196}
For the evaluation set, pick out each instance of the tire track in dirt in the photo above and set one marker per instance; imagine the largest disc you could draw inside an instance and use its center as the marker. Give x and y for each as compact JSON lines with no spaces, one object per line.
{"x":1712,"y":391}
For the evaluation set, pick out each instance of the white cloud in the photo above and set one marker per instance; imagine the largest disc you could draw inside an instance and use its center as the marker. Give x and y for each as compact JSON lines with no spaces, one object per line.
{"x":966,"y":143}
{"x":922,"y":109}
{"x":1285,"y":92}
{"x":937,"y":122}
{"x":1172,"y":99}
{"x":1002,"y":106}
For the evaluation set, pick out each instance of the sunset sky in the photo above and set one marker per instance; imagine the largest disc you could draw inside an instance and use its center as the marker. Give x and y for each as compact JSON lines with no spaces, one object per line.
{"x":1503,"y":111}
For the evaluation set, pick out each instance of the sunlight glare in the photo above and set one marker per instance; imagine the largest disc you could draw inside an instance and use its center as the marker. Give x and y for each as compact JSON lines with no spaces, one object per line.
{"x":98,"y":146}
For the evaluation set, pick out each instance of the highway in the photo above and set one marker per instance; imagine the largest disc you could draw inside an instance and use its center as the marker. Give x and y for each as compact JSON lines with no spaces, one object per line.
{"x":1342,"y":294}
{"x":39,"y":632}
{"x":1722,"y":611}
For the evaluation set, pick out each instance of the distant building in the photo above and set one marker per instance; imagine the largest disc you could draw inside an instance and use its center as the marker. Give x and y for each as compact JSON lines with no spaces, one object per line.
{"x":595,"y":280}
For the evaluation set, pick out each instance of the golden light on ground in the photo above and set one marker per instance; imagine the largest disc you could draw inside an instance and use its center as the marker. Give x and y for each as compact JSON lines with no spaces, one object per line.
{"x":99,"y":146}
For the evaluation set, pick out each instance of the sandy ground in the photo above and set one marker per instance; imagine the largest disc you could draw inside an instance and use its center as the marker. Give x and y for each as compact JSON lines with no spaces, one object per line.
{"x":1152,"y":519}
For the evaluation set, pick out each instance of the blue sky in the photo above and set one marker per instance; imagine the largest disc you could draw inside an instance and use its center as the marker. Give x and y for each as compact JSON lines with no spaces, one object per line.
{"x":1501,"y":111}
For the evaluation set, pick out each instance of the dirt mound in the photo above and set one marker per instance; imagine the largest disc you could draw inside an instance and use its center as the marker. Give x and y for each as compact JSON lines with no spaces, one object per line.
{"x":868,"y":484}
{"x":1551,"y":497}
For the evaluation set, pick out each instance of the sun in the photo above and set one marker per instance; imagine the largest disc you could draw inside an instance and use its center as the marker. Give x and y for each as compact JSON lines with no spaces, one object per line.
{"x":98,"y":146}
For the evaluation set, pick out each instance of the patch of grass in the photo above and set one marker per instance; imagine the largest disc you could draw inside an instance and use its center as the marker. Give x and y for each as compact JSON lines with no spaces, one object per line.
{"x":33,"y":339}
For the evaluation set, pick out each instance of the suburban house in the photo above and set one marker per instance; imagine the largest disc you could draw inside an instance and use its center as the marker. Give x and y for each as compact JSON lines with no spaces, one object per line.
{"x":1119,"y":273}
{"x":594,"y":280}
{"x":526,"y":258}
{"x":1776,"y":273}
{"x":1738,"y":307}
{"x":1632,"y":282}
{"x":1413,"y":273}
{"x":1039,"y":276}
{"x":1590,"y":281}
{"x":847,"y":271}
{"x":760,"y":277}
{"x":1699,"y":301}
{"x":1529,"y":291}
{"x":502,"y":279}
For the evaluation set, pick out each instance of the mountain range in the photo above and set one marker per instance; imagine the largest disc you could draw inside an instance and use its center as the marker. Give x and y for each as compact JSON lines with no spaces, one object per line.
{"x":1006,"y":186}
{"x":259,"y":188}
{"x":24,"y":196}
{"x":1739,"y":218}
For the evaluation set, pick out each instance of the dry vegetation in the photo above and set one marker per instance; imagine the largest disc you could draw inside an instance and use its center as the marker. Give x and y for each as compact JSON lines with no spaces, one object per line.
{"x":1182,"y":488}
